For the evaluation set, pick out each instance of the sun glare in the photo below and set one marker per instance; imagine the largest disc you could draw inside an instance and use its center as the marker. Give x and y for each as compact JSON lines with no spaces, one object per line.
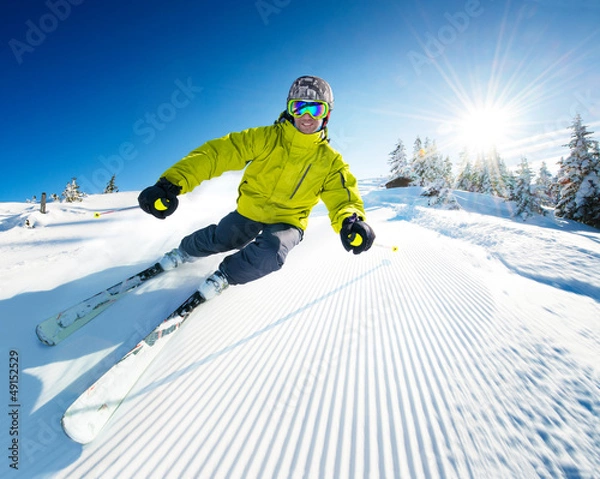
{"x":483,"y":128}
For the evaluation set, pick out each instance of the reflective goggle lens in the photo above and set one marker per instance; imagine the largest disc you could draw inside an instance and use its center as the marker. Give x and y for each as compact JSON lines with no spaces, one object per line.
{"x":317,"y":109}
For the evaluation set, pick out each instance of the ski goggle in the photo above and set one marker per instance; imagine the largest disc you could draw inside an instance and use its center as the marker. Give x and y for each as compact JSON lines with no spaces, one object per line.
{"x":317,"y":109}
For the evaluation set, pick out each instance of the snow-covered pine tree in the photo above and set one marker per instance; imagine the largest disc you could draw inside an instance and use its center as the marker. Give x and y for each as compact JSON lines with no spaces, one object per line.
{"x":434,"y":173}
{"x":464,"y":178}
{"x":588,"y":195}
{"x":72,"y":192}
{"x":111,"y":187}
{"x":430,"y":168}
{"x":490,"y":175}
{"x":400,"y":166}
{"x":503,"y":179}
{"x":525,"y":193}
{"x":447,"y":174}
{"x":579,"y":178}
{"x":417,"y":156}
{"x":545,"y":185}
{"x":592,"y":197}
{"x":421,"y":165}
{"x":481,"y":181}
{"x":509,"y":181}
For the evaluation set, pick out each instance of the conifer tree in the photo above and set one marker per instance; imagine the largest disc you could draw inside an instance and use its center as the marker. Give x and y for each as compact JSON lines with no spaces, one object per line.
{"x":417,"y":149}
{"x":481,"y":183}
{"x":399,"y":163}
{"x":464,"y":178}
{"x":524,"y":193}
{"x":579,"y":178}
{"x":111,"y":187}
{"x":588,"y":196}
{"x":509,"y":181}
{"x":545,"y":186}
{"x":447,"y":172}
{"x":429,"y":166}
{"x":417,"y":155}
{"x":490,"y":175}
{"x":72,"y":192}
{"x":502,"y":179}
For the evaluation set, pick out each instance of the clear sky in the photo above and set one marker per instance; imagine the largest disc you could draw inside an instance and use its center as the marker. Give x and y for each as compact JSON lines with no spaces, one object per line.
{"x":91,"y":88}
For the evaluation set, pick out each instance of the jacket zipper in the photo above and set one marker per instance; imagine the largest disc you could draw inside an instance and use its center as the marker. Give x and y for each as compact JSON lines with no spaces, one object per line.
{"x":300,"y":182}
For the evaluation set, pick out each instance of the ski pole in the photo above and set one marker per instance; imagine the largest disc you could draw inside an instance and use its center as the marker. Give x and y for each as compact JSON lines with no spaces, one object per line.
{"x":98,"y":214}
{"x":391,"y":247}
{"x":356,"y":240}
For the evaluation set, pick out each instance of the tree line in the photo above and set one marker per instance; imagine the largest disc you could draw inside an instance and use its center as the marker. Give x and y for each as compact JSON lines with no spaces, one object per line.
{"x":573,"y":193}
{"x":73,"y":192}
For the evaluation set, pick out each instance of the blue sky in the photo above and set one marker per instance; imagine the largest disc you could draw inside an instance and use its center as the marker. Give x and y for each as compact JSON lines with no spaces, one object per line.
{"x":94,"y":88}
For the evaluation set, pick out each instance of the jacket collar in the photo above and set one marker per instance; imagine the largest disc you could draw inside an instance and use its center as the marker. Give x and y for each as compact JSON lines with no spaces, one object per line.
{"x":295,"y":136}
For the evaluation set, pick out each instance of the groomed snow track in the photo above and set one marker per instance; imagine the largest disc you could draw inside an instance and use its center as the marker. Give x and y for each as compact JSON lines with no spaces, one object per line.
{"x":389,"y":364}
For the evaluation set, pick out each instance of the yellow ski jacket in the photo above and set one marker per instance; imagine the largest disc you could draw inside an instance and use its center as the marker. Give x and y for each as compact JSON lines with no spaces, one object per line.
{"x":287,"y":172}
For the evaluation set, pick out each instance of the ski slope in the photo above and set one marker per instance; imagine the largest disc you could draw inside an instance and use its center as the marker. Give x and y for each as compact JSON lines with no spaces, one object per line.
{"x":472,"y":351}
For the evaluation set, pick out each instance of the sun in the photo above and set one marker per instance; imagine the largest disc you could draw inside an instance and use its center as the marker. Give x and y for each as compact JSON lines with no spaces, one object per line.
{"x":485,"y":127}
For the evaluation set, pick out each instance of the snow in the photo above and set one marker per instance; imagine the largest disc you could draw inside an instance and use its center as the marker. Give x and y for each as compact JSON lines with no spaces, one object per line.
{"x":471,"y":351}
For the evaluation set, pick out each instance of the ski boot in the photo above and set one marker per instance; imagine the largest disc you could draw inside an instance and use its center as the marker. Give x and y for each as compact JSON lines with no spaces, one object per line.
{"x":213,"y":285}
{"x":173,"y":259}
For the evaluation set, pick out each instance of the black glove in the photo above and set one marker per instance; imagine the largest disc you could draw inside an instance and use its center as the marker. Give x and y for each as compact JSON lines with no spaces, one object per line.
{"x":352,"y":227}
{"x":160,"y":200}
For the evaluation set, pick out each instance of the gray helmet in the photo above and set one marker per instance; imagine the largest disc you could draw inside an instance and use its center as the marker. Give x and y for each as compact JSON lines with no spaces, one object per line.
{"x":311,"y":88}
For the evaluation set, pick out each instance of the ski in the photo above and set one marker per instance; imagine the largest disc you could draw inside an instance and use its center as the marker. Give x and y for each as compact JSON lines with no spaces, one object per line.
{"x":90,"y":412}
{"x":60,"y":326}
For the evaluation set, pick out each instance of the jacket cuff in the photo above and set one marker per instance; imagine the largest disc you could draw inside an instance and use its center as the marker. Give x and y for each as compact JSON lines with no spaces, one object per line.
{"x":168,"y":186}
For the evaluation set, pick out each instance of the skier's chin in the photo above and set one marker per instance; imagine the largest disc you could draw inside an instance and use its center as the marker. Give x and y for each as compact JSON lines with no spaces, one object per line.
{"x":308,"y":128}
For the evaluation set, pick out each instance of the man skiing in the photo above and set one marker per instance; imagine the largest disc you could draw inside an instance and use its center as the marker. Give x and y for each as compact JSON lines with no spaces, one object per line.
{"x":289,"y":166}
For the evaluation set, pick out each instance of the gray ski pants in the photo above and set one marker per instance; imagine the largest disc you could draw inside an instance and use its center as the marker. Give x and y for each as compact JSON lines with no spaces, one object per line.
{"x":262,"y":248}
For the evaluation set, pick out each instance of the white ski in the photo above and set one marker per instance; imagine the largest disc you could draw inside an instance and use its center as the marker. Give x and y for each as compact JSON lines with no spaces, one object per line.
{"x":60,"y":326}
{"x":90,"y":412}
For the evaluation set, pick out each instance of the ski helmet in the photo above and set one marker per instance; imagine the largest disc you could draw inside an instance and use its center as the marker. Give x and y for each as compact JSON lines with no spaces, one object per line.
{"x":311,"y":88}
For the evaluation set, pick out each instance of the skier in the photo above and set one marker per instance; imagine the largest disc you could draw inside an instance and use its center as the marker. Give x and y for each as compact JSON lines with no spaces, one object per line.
{"x":289,"y":167}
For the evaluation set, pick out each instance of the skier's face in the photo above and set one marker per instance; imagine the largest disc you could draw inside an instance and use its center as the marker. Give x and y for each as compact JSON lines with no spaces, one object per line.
{"x":307,"y":124}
